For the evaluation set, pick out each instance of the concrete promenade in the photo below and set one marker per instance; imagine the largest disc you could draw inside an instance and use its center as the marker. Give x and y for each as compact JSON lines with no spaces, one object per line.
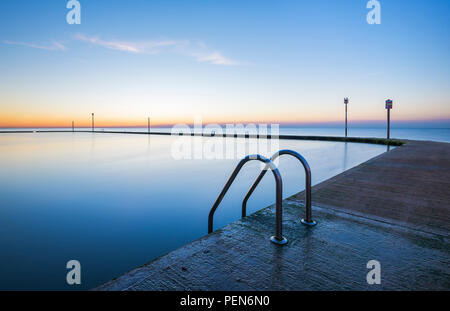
{"x":394,"y":208}
{"x":409,"y":186}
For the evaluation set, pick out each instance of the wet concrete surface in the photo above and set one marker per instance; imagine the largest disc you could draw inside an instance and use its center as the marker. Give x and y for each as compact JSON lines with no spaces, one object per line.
{"x":330,"y":256}
{"x":360,"y":218}
{"x":409,"y":185}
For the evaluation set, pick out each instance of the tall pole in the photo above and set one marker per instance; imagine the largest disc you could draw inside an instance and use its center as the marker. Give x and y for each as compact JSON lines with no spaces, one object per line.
{"x":388,"y":123}
{"x":73,"y":126}
{"x":388,"y":108}
{"x":148,"y":124}
{"x":345,"y":121}
{"x":92,"y":122}
{"x":346,"y":102}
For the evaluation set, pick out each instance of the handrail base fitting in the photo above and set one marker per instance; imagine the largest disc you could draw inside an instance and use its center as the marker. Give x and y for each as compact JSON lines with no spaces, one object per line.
{"x":274,"y":240}
{"x":311,"y":223}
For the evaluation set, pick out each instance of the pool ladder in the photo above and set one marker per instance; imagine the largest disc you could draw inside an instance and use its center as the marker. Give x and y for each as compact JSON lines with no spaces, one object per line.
{"x":278,"y":237}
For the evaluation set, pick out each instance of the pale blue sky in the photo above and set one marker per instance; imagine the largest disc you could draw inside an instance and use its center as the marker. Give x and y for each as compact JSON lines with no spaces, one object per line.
{"x":285,"y":61}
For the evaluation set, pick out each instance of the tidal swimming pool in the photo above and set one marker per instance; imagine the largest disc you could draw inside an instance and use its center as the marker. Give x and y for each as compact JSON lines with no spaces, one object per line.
{"x":115,"y":201}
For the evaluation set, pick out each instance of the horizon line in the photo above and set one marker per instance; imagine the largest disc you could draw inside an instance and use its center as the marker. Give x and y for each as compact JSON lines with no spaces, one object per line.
{"x":445,"y":121}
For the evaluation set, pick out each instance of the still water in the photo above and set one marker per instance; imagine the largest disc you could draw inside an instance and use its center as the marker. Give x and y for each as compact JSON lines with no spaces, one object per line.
{"x":114,"y":202}
{"x":433,"y":134}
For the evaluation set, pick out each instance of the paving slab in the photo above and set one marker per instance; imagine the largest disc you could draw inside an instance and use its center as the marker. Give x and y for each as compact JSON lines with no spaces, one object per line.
{"x":409,"y":185}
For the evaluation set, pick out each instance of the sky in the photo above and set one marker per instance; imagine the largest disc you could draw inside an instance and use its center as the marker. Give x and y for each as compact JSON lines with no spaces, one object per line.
{"x":227,"y":61}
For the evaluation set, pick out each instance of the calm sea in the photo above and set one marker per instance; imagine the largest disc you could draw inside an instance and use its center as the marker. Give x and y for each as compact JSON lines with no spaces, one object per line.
{"x":114,"y":202}
{"x":433,"y":134}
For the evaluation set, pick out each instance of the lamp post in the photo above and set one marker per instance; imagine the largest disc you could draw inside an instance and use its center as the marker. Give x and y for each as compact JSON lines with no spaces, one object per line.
{"x":73,"y":126}
{"x":92,"y":122}
{"x":148,"y":125}
{"x":388,"y":108}
{"x":346,"y":102}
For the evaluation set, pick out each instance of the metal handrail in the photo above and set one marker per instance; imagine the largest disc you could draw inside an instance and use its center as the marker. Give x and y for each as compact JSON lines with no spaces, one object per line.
{"x":278,"y":238}
{"x":308,"y":217}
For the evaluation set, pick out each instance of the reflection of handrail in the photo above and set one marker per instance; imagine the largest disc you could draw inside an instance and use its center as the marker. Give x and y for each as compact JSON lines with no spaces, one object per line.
{"x":308,"y":219}
{"x":278,"y":238}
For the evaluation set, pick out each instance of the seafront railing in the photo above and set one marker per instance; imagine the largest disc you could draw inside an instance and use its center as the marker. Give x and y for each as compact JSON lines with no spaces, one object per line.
{"x":308,"y":221}
{"x":278,"y":238}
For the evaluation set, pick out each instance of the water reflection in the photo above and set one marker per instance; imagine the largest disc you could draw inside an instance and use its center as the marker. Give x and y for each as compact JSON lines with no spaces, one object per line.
{"x":344,"y":166}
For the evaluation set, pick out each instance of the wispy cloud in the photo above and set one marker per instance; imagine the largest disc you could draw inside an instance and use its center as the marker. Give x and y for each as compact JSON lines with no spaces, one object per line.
{"x":147,"y":47}
{"x":195,"y":49}
{"x":54,"y":46}
{"x":216,"y":58}
{"x":198,"y":50}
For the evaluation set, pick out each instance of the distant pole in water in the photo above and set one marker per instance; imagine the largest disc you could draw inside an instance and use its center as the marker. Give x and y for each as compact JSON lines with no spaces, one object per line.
{"x":148,"y":124}
{"x":73,"y":126}
{"x":388,"y":108}
{"x":92,"y":122}
{"x":346,"y":102}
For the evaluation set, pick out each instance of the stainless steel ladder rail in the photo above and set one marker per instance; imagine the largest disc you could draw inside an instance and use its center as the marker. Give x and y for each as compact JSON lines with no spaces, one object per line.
{"x":307,"y":221}
{"x":278,"y":238}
